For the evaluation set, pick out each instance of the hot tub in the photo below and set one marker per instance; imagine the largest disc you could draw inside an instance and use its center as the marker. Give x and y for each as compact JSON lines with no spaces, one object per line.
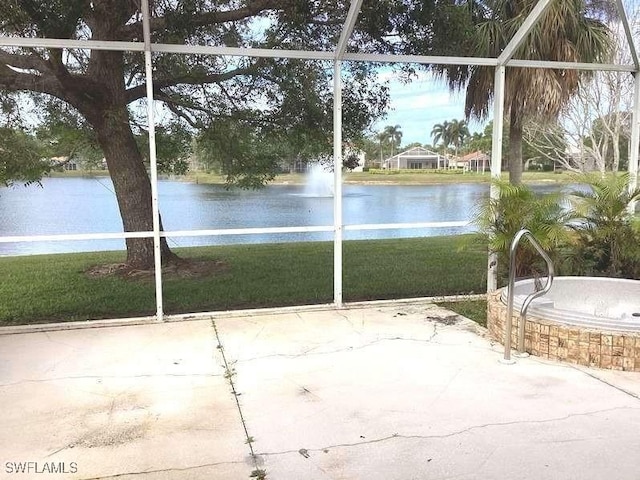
{"x":593,"y":321}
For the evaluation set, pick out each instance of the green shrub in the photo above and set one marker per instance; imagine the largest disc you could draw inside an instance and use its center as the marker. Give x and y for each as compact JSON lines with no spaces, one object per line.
{"x":517,"y":207}
{"x":424,"y":171}
{"x":383,"y":171}
{"x":596,"y":236}
{"x":446,"y":171}
{"x":607,"y":235}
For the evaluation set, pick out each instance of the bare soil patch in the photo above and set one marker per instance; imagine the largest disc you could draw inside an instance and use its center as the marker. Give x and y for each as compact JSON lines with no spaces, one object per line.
{"x":180,"y":268}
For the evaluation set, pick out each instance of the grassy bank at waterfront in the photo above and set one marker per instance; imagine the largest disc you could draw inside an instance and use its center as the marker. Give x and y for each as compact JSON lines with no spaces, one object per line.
{"x":54,"y":288}
{"x":423,"y":177}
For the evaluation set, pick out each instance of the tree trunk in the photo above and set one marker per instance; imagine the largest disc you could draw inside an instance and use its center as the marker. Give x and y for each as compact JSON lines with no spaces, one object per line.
{"x":616,"y":144}
{"x":515,"y":147}
{"x":106,"y":110}
{"x":132,"y":187}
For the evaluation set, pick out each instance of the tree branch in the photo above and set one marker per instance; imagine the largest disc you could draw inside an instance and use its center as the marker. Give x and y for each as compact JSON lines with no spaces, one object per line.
{"x":233,"y":101}
{"x":134,"y":30}
{"x":140,"y":91}
{"x":27,"y":62}
{"x":16,"y":81}
{"x":76,"y":90}
{"x":182,"y":114}
{"x":57,"y":65}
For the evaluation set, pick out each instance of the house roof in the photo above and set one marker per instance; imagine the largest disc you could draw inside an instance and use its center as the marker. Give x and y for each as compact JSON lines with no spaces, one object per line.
{"x":416,"y":153}
{"x":477,"y":155}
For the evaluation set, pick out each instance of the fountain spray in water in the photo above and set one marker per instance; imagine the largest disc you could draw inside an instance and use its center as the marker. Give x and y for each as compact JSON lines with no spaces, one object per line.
{"x":319,"y":182}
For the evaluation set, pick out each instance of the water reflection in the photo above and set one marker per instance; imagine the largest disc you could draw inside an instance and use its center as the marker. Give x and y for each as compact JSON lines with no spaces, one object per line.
{"x":88,"y":205}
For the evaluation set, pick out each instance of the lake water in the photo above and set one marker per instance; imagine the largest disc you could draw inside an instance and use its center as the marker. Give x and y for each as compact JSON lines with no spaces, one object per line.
{"x":88,"y":205}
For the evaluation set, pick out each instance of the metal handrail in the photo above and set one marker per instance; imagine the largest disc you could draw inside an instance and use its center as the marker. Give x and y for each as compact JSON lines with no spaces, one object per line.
{"x":525,"y":306}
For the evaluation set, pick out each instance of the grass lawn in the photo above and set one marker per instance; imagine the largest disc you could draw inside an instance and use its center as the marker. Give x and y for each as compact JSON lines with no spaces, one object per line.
{"x":475,"y":310}
{"x":425,"y":177}
{"x":402,"y":178}
{"x":46,"y":288}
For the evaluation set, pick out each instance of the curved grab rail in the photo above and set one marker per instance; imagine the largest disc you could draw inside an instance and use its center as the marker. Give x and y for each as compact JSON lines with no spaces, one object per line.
{"x":525,"y":306}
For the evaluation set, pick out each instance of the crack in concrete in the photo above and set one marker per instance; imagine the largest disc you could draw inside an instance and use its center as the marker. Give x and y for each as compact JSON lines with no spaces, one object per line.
{"x":485,"y":460}
{"x":346,"y":319}
{"x":602,"y":380}
{"x":255,"y":337}
{"x":434,"y":334}
{"x":447,"y":435}
{"x":583,"y":369}
{"x":145,"y":472}
{"x":350,"y":348}
{"x":98,"y":377}
{"x":229,"y":376}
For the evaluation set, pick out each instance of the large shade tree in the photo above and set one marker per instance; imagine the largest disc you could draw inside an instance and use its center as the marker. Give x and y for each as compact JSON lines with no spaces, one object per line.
{"x":234,"y":105}
{"x":569,"y":31}
{"x":282,"y":101}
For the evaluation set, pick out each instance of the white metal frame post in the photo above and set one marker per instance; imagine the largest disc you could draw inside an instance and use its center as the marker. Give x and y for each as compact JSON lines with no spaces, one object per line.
{"x":519,"y":37}
{"x":635,"y":118}
{"x":337,"y":183}
{"x":157,"y":253}
{"x":338,"y":229}
{"x":635,"y":140}
{"x":628,"y":33}
{"x":496,"y":162}
{"x":498,"y":118}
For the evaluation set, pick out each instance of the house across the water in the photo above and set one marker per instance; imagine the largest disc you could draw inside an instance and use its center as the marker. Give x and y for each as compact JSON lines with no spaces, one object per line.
{"x":416,"y":158}
{"x":72,"y":164}
{"x":471,"y":162}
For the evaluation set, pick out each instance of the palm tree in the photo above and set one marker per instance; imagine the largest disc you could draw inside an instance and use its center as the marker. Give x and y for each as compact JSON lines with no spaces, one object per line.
{"x":518,"y":206}
{"x":394,"y":136}
{"x":607,"y":238}
{"x":458,"y":133}
{"x":565,"y":33}
{"x":441,"y":132}
{"x":477,"y":141}
{"x":382,"y":138}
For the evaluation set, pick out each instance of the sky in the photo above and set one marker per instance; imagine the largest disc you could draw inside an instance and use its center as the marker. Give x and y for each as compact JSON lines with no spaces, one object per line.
{"x":419,"y":105}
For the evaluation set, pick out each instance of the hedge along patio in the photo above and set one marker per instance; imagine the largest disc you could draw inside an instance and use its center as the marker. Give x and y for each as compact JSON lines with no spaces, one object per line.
{"x":338,"y":56}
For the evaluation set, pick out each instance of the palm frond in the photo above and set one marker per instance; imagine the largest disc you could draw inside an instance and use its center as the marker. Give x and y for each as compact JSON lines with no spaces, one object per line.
{"x":567,"y":32}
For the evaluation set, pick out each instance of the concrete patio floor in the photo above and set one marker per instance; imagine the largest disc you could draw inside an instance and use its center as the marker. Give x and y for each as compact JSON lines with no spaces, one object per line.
{"x":406,"y":391}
